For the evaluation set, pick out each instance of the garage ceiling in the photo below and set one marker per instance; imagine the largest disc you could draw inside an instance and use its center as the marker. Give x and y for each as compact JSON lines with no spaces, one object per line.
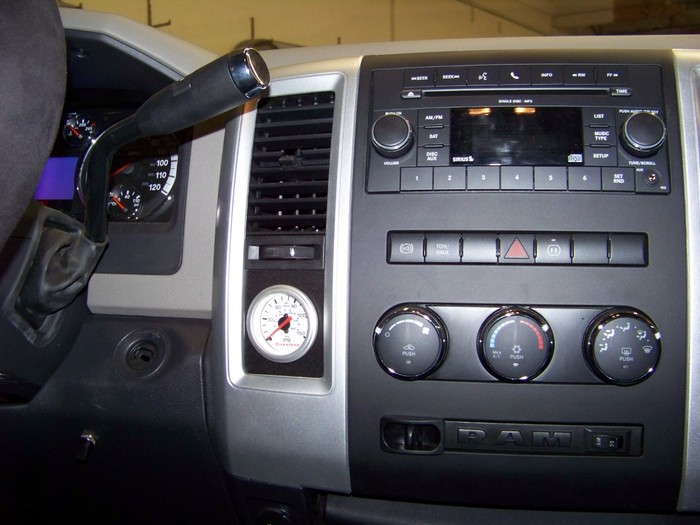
{"x":600,"y":17}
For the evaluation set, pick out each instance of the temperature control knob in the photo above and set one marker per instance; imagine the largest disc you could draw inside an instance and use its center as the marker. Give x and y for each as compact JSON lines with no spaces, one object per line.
{"x":643,"y":134}
{"x":515,"y":344}
{"x":392,"y":135}
{"x":622,"y":346}
{"x":410,"y":342}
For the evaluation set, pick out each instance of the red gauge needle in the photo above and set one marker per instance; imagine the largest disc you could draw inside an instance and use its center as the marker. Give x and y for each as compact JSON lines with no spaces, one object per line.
{"x":116,"y":201}
{"x":284,"y":323}
{"x":75,"y":132}
{"x":117,"y":172}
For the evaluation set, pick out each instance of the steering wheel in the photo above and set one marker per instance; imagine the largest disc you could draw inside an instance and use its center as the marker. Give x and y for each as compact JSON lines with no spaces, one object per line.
{"x":32,"y":90}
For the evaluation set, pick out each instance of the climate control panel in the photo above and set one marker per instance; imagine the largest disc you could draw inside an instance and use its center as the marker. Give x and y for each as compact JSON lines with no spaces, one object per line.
{"x":517,"y":344}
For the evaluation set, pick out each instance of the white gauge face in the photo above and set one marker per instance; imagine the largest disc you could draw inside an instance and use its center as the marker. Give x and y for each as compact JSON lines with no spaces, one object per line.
{"x":282,"y":323}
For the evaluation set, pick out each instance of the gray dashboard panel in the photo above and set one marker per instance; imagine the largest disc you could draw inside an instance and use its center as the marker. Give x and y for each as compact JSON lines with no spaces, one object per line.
{"x":688,"y":75}
{"x":298,"y":435}
{"x":249,"y":415}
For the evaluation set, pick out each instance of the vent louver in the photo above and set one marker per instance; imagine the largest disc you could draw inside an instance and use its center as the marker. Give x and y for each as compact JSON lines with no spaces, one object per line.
{"x":291,"y":159}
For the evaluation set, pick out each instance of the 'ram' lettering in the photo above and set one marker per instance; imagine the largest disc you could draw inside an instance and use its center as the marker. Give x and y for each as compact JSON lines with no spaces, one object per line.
{"x":551,"y":439}
{"x":510,"y":437}
{"x":472,"y":436}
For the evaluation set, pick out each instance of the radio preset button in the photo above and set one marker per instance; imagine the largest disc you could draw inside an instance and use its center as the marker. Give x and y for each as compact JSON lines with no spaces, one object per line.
{"x":517,"y":178}
{"x":483,"y":178}
{"x":584,"y":179}
{"x":450,"y":179}
{"x":416,"y":179}
{"x":550,"y":178}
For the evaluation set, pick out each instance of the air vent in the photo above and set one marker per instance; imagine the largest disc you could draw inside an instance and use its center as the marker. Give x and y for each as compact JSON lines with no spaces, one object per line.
{"x":291,"y":157}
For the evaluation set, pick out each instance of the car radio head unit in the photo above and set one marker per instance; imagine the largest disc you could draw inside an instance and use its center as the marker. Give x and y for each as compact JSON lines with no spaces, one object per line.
{"x":565,"y":127}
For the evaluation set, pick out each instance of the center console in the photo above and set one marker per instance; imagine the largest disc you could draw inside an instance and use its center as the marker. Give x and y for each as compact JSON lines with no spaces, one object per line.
{"x":517,"y":330}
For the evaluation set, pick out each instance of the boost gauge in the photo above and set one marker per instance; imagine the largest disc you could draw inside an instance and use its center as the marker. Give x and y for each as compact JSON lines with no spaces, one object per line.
{"x":282,"y":323}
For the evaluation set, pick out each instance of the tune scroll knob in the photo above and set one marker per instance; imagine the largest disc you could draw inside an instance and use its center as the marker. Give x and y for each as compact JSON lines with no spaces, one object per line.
{"x":622,"y":346}
{"x":643,"y":134}
{"x":392,"y":135}
{"x":410,"y":342}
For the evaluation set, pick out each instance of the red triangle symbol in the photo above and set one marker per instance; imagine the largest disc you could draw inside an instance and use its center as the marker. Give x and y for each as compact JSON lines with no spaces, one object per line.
{"x":517,"y":251}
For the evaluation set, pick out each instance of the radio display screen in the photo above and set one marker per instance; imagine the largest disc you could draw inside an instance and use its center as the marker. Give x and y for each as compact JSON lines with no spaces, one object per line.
{"x":516,"y":136}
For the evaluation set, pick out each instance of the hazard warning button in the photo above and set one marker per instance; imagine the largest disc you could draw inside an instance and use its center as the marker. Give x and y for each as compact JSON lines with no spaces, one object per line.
{"x":517,"y":248}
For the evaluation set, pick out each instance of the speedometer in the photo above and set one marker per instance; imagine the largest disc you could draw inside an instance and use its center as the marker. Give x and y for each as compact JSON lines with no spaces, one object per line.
{"x":149,"y":167}
{"x":142,"y":179}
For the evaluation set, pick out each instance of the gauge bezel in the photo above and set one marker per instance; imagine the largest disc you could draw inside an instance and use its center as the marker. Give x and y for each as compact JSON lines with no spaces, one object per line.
{"x":257,"y":338}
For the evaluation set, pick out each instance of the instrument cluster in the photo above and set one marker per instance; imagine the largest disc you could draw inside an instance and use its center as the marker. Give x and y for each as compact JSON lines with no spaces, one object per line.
{"x":143,"y":176}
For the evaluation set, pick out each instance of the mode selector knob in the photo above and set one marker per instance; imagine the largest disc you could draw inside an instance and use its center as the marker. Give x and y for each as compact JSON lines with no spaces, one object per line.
{"x":410,"y":342}
{"x":392,"y":135}
{"x":622,"y":346}
{"x":643,"y":134}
